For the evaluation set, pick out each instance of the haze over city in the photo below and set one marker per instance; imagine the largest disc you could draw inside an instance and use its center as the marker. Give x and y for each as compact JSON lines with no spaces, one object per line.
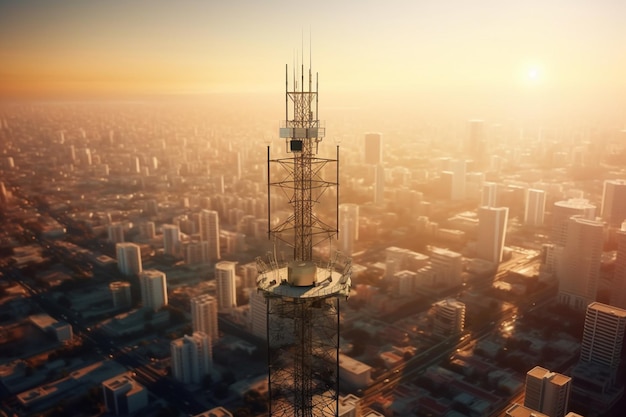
{"x":564,"y":57}
{"x":312,"y":209}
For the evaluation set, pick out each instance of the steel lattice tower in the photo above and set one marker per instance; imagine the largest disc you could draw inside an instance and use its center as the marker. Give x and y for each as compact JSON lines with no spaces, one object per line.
{"x":302,"y":294}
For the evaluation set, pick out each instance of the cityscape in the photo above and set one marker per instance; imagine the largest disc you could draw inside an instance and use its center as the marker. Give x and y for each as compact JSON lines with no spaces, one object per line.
{"x":307,"y":247}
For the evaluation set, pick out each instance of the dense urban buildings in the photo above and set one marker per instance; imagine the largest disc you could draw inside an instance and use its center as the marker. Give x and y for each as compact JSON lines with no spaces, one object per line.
{"x":547,"y":392}
{"x":88,"y":241}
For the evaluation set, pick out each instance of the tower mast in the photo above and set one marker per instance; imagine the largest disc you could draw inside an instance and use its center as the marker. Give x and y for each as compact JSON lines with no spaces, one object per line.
{"x":302,"y":294}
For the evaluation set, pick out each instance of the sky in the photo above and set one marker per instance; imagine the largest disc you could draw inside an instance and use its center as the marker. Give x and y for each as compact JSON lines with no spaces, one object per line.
{"x":549,"y":50}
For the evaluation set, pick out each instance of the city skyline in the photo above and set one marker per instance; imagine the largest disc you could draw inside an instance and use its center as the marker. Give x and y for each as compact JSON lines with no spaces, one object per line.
{"x":530,"y":57}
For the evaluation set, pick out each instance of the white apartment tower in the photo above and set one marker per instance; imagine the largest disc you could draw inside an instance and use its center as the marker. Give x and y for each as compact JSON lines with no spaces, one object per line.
{"x":171,"y":240}
{"x":449,"y":317}
{"x":204,"y":316}
{"x":348,"y":227}
{"x":547,"y":392}
{"x":116,"y":233}
{"x":210,"y":232}
{"x":563,"y":210}
{"x":603,"y":336}
{"x":489,"y":193}
{"x":535,"y":207}
{"x":492,"y":223}
{"x":258,"y":315}
{"x":128,"y":258}
{"x":153,"y":285}
{"x":578,"y":271}
{"x":225,"y":280}
{"x":192,"y":358}
{"x":456,"y":173}
{"x":614,"y":202}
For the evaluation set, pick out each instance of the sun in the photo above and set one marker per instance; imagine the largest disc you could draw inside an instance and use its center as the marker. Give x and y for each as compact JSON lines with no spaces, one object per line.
{"x":533,"y":73}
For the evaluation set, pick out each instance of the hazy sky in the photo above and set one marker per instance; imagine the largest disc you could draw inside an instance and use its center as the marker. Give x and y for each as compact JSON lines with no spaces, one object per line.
{"x":573,"y":48}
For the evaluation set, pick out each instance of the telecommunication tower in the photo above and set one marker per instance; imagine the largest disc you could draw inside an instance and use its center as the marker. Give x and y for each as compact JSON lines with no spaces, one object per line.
{"x":303,"y":293}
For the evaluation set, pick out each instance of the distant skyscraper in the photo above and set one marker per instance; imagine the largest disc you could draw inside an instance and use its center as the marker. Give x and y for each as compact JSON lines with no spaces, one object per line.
{"x":128,"y":258}
{"x":535,"y":207}
{"x":192,"y":357}
{"x":210,"y":232}
{"x":547,"y":392}
{"x":618,"y":293}
{"x":475,"y":145}
{"x":379,"y":185}
{"x":492,"y":223}
{"x":225,"y":281}
{"x":563,"y":210}
{"x":614,"y":202}
{"x":348,"y":227}
{"x":455,"y":171}
{"x":579,"y":269}
{"x":204,"y":316}
{"x":153,"y":285}
{"x":171,"y":240}
{"x":488,"y":197}
{"x":373,"y":148}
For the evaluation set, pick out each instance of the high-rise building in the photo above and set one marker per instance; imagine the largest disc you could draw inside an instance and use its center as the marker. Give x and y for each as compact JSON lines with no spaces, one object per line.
{"x":204,"y":316}
{"x":128,"y":258}
{"x":116,"y":233}
{"x":348,"y":227}
{"x":449,"y":317}
{"x":248,"y":274}
{"x":171,"y":240}
{"x":563,"y":210}
{"x":196,"y":253}
{"x":373,"y":148}
{"x":614,"y":203}
{"x":4,"y":195}
{"x":210,"y":232}
{"x":578,"y":271}
{"x":448,"y":266}
{"x":120,"y":291}
{"x":147,"y":230}
{"x":475,"y":145}
{"x":455,"y":170}
{"x":192,"y":357}
{"x":226,"y":285}
{"x":153,"y":285}
{"x":379,"y":185}
{"x":594,"y":376}
{"x":535,"y":207}
{"x":492,"y":223}
{"x":258,"y":315}
{"x":618,"y":294}
{"x":123,"y":395}
{"x":489,"y":194}
{"x":547,"y":392}
{"x":603,"y":335}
